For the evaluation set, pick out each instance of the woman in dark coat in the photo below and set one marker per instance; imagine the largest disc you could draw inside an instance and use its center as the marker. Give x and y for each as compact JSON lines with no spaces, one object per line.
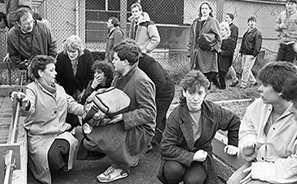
{"x":103,"y":76}
{"x":226,"y":55}
{"x":74,"y":70}
{"x":186,"y":145}
{"x":205,"y":42}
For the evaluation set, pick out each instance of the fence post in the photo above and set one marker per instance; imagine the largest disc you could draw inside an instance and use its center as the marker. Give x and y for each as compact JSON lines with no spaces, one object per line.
{"x":123,"y":14}
{"x":220,"y":10}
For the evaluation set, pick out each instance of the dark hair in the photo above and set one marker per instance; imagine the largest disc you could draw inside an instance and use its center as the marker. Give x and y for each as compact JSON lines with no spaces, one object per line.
{"x":210,"y":7}
{"x":39,"y":62}
{"x":106,"y":68}
{"x":291,"y":1}
{"x":276,"y":74}
{"x":136,"y":5}
{"x":3,"y":16}
{"x":191,"y":81}
{"x":115,"y":21}
{"x":290,"y":89}
{"x":252,"y":18}
{"x":126,"y":50}
{"x":22,"y":11}
{"x":230,"y":15}
{"x":37,"y":16}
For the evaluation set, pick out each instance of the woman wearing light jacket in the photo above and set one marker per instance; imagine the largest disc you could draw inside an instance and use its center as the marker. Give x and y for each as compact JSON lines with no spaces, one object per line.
{"x":50,"y":144}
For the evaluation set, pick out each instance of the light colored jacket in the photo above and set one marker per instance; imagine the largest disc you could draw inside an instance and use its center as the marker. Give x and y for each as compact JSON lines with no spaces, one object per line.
{"x":146,"y":35}
{"x":44,"y":123}
{"x":289,"y":34}
{"x":276,"y":153}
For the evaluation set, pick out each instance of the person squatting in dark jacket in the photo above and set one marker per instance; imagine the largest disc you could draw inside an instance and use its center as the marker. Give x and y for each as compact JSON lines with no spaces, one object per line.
{"x":186,"y":151}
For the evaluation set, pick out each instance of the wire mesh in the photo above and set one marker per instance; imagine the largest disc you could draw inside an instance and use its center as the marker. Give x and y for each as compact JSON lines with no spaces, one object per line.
{"x":87,"y":18}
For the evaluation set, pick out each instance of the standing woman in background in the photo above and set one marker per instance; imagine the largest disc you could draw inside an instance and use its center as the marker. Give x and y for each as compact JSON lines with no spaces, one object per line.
{"x":115,"y":35}
{"x":205,"y":42}
{"x":226,"y":55}
{"x":74,"y":70}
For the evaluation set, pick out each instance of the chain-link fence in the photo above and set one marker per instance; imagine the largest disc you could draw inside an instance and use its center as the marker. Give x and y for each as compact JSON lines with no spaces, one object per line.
{"x":87,"y":18}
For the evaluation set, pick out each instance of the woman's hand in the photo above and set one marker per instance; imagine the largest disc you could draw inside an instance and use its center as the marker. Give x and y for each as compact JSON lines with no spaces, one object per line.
{"x":116,"y":118}
{"x":22,"y":97}
{"x":96,"y":81}
{"x":200,"y":156}
{"x":231,"y":150}
{"x":249,"y":151}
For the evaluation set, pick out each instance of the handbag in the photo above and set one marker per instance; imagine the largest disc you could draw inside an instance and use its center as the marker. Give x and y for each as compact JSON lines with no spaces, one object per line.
{"x":109,"y":101}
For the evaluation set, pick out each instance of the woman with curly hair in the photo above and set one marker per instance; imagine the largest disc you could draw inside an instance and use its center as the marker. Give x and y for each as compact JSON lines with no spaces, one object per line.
{"x":103,"y":76}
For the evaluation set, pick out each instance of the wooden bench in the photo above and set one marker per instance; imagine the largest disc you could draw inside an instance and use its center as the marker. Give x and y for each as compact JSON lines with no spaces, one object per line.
{"x":225,"y":164}
{"x":13,"y":137}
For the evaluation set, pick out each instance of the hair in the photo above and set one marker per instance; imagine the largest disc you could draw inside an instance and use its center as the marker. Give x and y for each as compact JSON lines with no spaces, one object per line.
{"x":276,"y":74}
{"x":23,"y":11}
{"x":115,"y":21}
{"x":37,"y":16}
{"x":230,"y":15}
{"x":290,"y":89}
{"x":106,"y":68}
{"x":193,"y":80}
{"x":127,"y":50}
{"x":252,"y":18}
{"x":291,"y":1}
{"x":39,"y":62}
{"x":136,"y":5}
{"x":209,"y":5}
{"x":73,"y":42}
{"x":3,"y":16}
{"x":226,"y":26}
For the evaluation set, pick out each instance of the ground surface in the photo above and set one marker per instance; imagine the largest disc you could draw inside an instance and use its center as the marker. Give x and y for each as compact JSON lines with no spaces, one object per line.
{"x":85,"y":172}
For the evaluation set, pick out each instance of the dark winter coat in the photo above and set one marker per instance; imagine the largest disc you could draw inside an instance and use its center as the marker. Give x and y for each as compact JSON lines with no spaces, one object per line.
{"x":65,"y":76}
{"x":226,"y":55}
{"x":178,"y":140}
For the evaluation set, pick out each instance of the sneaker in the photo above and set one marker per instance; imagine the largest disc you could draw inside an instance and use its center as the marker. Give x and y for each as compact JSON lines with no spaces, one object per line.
{"x":242,"y":87}
{"x":112,"y":174}
{"x":234,"y":83}
{"x":254,"y":84}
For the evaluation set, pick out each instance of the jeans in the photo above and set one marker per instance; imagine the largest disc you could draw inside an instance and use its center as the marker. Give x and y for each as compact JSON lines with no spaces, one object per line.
{"x":247,"y":65}
{"x":286,"y":53}
{"x":232,"y":73}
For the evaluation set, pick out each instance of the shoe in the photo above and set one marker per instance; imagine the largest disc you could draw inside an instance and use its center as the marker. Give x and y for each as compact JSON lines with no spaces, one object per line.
{"x":254,"y":84}
{"x":242,"y":87}
{"x":111,"y":174}
{"x":234,"y":83}
{"x":136,"y":164}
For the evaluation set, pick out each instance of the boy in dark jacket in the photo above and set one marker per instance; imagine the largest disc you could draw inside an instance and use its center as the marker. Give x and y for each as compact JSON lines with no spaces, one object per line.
{"x":250,"y":47}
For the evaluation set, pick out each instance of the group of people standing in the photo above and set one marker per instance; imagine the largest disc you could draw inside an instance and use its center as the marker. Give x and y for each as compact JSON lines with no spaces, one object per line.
{"x":54,"y":102}
{"x":212,"y":45}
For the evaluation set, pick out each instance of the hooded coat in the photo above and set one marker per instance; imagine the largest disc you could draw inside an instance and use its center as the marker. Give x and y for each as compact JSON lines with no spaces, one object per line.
{"x":146,"y":34}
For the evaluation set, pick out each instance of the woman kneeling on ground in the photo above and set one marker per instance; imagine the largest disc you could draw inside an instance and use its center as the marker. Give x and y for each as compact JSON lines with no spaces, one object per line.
{"x":186,"y":144}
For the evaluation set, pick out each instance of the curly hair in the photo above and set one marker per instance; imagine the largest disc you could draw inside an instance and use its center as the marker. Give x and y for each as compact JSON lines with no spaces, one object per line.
{"x":106,"y":68}
{"x":73,"y":42}
{"x":191,"y":82}
{"x":39,"y":62}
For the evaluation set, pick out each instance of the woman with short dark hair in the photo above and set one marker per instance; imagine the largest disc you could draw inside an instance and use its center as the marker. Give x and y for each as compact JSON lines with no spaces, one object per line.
{"x":186,"y":151}
{"x":50,"y":144}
